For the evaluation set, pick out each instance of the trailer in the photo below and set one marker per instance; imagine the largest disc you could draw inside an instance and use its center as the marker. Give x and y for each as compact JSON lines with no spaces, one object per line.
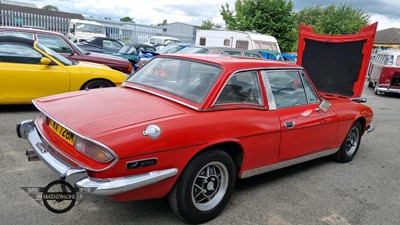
{"x":236,"y":39}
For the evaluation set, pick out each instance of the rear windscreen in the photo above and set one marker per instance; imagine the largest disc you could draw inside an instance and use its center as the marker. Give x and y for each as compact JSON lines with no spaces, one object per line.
{"x":333,"y":67}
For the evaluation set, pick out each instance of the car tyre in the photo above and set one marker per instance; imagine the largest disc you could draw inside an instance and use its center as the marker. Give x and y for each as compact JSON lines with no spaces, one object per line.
{"x":350,"y":145}
{"x":97,"y":84}
{"x":204,"y":188}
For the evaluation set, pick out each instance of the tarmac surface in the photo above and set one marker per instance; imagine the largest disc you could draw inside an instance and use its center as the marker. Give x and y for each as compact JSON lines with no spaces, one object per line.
{"x":362,"y":192}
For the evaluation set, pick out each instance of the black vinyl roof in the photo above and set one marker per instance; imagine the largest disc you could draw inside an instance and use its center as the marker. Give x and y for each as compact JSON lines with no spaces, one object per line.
{"x":20,"y":40}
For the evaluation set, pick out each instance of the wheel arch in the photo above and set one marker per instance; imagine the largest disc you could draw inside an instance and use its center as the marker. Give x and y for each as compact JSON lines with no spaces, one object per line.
{"x":234,"y":149}
{"x":363,"y":123}
{"x":97,"y":79}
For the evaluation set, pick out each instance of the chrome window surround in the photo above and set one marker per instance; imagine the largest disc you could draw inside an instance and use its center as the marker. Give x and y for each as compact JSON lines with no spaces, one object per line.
{"x":268,"y":89}
{"x":233,"y":74}
{"x":126,"y":84}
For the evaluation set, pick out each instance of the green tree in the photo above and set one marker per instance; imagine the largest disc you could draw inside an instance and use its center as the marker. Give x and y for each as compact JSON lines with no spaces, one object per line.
{"x":273,"y":17}
{"x":164,"y":22}
{"x":127,"y":19}
{"x":333,"y":19}
{"x":209,"y":24}
{"x":50,"y":7}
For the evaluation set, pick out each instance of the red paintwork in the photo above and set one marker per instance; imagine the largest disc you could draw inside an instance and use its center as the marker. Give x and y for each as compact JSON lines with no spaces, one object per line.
{"x":117,"y":117}
{"x":114,"y":62}
{"x":366,"y":34}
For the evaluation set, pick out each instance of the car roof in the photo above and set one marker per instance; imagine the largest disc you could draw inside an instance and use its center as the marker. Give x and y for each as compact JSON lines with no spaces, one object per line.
{"x":20,"y":40}
{"x":234,"y":62}
{"x":30,"y":30}
{"x":141,"y":45}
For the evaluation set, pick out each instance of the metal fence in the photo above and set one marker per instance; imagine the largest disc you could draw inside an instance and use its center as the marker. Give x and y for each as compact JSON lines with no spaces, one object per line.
{"x":22,"y":19}
{"x":127,"y":32}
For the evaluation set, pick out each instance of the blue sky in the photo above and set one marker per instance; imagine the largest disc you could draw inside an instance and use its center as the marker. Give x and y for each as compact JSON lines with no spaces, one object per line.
{"x":194,"y":12}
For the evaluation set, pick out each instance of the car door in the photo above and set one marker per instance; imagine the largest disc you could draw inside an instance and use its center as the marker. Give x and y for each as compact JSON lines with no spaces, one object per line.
{"x":260,"y":129}
{"x":23,"y":76}
{"x":304,"y":128}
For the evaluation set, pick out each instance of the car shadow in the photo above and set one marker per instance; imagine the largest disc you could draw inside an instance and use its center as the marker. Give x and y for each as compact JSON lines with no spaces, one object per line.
{"x":17,"y":108}
{"x":273,"y":176}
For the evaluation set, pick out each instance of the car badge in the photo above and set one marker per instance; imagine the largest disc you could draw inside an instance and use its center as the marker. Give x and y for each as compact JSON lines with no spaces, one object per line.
{"x":152,"y":131}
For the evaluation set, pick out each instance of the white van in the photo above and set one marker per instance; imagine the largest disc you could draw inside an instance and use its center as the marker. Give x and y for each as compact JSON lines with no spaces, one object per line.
{"x":236,"y":39}
{"x":84,"y":29}
{"x":157,"y":41}
{"x":384,"y":73}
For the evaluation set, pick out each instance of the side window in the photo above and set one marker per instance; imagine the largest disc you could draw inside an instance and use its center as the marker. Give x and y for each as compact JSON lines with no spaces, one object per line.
{"x":241,"y":88}
{"x":150,"y":49}
{"x":112,"y":44}
{"x":231,"y":53}
{"x":152,"y":41}
{"x":311,"y":95}
{"x":249,"y":54}
{"x":242,"y":44}
{"x":286,"y":88}
{"x":107,"y":44}
{"x":57,"y":44}
{"x":227,"y":42}
{"x":18,"y":53}
{"x":202,"y":41}
{"x":389,"y":60}
{"x":398,"y":60}
{"x":17,"y":34}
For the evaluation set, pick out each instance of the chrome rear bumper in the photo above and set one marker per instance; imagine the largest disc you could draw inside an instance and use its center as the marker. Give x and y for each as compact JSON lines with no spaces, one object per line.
{"x":384,"y":88}
{"x":370,"y":128}
{"x":78,"y":176}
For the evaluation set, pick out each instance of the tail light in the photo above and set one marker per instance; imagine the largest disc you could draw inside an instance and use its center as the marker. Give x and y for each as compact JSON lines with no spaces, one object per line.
{"x":92,"y":150}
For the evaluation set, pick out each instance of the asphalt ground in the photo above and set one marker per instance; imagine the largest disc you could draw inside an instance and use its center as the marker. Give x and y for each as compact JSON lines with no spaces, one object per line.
{"x":362,"y":192}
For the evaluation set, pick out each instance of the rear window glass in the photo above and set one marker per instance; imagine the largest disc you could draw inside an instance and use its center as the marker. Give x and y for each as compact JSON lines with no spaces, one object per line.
{"x":242,"y":44}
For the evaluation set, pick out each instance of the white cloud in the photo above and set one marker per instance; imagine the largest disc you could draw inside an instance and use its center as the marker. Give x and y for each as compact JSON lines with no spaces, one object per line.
{"x":144,"y":12}
{"x":194,"y":12}
{"x":384,"y":22}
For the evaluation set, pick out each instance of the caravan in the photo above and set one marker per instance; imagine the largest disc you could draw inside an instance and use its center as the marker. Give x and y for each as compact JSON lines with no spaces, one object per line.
{"x":83,"y":29}
{"x":236,"y":39}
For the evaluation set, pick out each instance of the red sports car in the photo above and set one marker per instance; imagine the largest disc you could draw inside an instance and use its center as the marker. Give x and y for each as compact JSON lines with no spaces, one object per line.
{"x":187,"y":127}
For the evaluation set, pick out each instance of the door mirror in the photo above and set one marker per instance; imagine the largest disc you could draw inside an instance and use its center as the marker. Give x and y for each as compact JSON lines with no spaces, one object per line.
{"x":45,"y":61}
{"x":324,"y":106}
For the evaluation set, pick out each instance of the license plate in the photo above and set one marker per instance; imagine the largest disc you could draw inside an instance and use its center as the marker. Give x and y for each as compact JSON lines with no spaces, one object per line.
{"x":62,"y":132}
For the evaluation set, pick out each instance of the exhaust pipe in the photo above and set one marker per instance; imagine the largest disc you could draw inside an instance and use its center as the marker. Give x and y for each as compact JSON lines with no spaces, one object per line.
{"x":31,"y":155}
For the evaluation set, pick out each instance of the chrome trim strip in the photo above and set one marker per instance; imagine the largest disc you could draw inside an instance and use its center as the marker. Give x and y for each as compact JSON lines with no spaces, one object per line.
{"x":47,"y":157}
{"x":160,"y":95}
{"x":81,"y":136}
{"x":250,"y":105}
{"x":113,"y":186}
{"x":387,"y":89}
{"x":370,"y":128}
{"x":268,"y":168}
{"x":79,"y":177}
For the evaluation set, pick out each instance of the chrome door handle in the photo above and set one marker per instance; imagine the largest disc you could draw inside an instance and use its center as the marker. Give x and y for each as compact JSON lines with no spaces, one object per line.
{"x":289,"y":125}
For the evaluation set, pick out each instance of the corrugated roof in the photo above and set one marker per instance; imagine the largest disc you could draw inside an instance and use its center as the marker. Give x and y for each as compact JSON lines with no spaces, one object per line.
{"x":44,"y":12}
{"x":388,"y":36}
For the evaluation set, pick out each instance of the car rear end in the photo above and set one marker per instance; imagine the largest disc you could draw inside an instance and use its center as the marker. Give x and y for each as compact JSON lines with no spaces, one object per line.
{"x":389,"y":80}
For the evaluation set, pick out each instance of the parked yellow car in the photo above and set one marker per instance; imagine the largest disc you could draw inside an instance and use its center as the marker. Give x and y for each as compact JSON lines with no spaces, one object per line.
{"x":29,"y":70}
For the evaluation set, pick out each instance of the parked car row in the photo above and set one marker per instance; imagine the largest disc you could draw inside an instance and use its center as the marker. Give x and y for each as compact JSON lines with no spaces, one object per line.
{"x":62,"y":45}
{"x":31,"y":70}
